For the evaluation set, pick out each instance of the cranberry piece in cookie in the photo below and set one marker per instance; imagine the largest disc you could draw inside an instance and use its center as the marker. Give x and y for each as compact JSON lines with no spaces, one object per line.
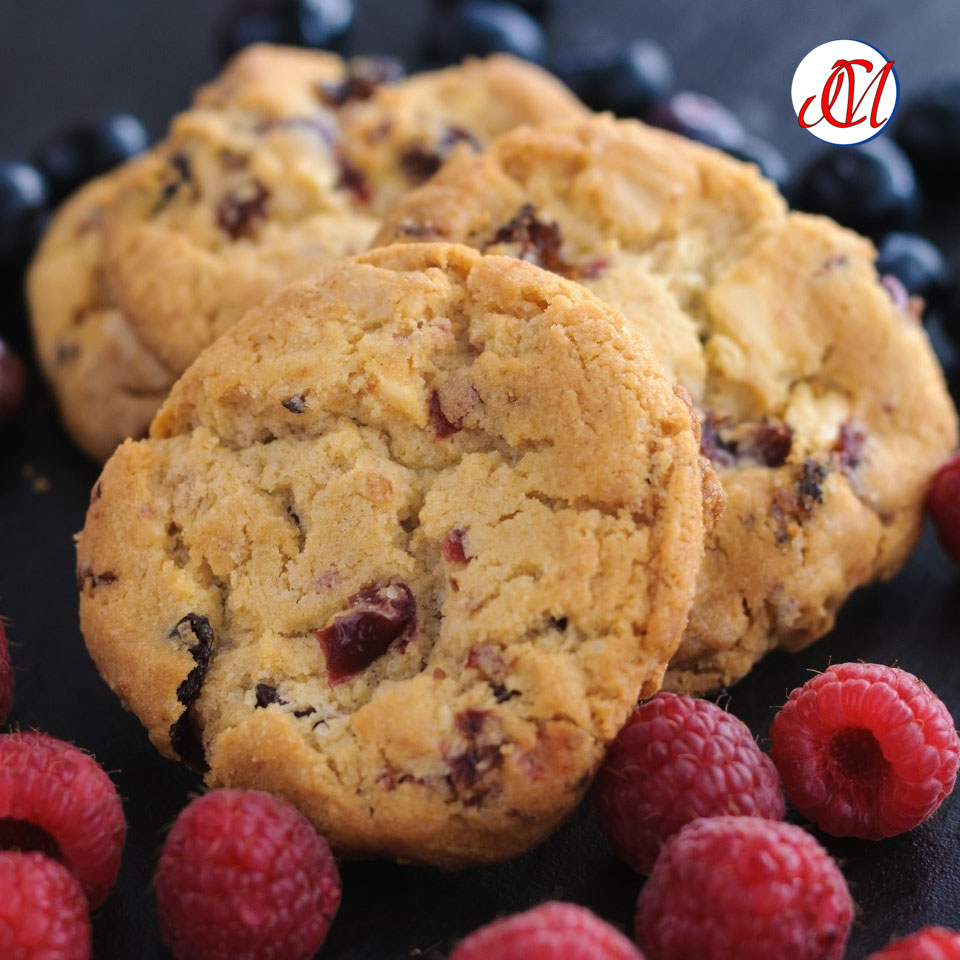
{"x":381,"y":615}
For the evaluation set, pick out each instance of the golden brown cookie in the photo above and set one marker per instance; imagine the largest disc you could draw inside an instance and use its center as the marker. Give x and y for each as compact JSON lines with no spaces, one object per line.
{"x":404,"y":547}
{"x":285,"y":162}
{"x":823,"y":407}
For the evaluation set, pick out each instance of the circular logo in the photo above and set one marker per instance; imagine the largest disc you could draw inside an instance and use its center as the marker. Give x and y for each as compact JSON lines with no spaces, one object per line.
{"x":845,"y":92}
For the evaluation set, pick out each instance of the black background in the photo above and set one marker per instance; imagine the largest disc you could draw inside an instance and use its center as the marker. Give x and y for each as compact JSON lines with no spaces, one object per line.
{"x":61,"y":61}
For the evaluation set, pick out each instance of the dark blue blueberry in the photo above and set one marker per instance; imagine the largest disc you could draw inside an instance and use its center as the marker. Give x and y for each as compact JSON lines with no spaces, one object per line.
{"x":772,"y":163}
{"x":323,"y":24}
{"x":79,"y":153}
{"x":23,"y":209}
{"x":699,"y":117}
{"x":608,"y":76}
{"x":870,"y":187}
{"x":481,"y":27}
{"x":538,"y":8}
{"x":916,"y":263}
{"x":928,"y":129}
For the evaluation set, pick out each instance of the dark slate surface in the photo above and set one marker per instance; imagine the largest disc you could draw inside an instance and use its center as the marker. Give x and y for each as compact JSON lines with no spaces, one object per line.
{"x":65,"y":61}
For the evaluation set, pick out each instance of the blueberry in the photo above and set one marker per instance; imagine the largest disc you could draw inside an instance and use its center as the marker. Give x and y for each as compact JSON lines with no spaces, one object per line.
{"x":481,"y":27}
{"x":607,"y":76}
{"x":23,"y":209}
{"x":699,"y":117}
{"x":79,"y":153}
{"x":323,"y":24}
{"x":870,"y":187}
{"x":772,"y":163}
{"x":538,"y":8}
{"x":928,"y":129}
{"x":916,"y":263}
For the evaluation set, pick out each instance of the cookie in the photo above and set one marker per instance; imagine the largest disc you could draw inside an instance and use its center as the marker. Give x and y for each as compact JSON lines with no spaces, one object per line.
{"x":824,"y":410}
{"x":285,"y":162}
{"x":404,"y":547}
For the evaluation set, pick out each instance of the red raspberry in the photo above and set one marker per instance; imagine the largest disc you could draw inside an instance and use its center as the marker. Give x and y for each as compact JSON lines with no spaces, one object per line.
{"x":43,"y":912}
{"x":552,"y":931}
{"x":678,"y":759}
{"x":6,"y":677}
{"x":865,"y":750}
{"x":56,"y":798}
{"x":932,"y":943}
{"x":943,"y":504}
{"x":244,"y":875}
{"x":742,"y":888}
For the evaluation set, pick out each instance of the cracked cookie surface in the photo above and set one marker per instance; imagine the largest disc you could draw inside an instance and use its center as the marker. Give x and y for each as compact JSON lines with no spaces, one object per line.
{"x":403,"y":547}
{"x":823,"y":407}
{"x":285,"y":162}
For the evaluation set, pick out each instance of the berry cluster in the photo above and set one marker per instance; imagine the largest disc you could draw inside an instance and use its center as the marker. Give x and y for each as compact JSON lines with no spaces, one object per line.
{"x":62,"y":832}
{"x":241,"y":873}
{"x":687,"y":796}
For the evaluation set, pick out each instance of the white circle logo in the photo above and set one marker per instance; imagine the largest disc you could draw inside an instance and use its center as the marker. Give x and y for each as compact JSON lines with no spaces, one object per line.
{"x":845,"y":92}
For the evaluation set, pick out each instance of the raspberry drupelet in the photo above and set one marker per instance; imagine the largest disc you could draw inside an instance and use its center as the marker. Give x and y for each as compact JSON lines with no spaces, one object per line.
{"x":743,"y":888}
{"x":679,"y":758}
{"x":865,"y":750}
{"x":552,"y":931}
{"x":56,"y":798}
{"x":243,"y":874}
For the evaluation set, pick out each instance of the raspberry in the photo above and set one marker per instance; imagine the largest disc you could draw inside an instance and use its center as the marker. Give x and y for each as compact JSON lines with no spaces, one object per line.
{"x":6,"y":677}
{"x":56,"y":798}
{"x":865,"y":750}
{"x":43,"y":912}
{"x":678,"y":759}
{"x":742,"y":888}
{"x":552,"y":931}
{"x":244,"y":875}
{"x":943,"y":504}
{"x":932,"y":943}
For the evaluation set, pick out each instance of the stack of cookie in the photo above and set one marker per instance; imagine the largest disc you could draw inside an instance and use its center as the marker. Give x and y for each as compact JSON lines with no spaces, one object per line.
{"x":416,"y":527}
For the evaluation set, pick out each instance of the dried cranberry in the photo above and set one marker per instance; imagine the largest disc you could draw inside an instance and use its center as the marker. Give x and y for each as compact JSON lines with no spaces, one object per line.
{"x":539,"y":240}
{"x":771,"y":443}
{"x":487,"y":658}
{"x":419,"y":163}
{"x":13,"y":384}
{"x":724,"y":444}
{"x":717,"y":450}
{"x":594,"y":268}
{"x":442,"y":426}
{"x":470,"y":722}
{"x":353,"y":180}
{"x":240,"y":211}
{"x":451,"y":546}
{"x":364,"y":75}
{"x":470,"y":766}
{"x":849,"y":445}
{"x":381,"y":615}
